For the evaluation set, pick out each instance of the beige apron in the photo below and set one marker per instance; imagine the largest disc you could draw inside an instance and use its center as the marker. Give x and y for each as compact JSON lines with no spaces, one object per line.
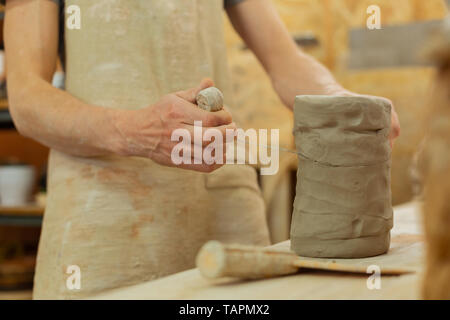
{"x":120,"y":220}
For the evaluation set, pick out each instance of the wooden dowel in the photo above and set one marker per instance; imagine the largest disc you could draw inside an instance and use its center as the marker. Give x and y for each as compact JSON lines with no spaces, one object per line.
{"x":216,"y":260}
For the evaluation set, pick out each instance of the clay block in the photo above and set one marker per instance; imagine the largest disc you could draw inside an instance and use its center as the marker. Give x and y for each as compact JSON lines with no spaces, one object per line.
{"x":343,"y":200}
{"x":342,"y":131}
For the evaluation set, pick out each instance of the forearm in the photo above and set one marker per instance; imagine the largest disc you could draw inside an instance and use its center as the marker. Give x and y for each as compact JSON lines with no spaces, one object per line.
{"x":299,"y":73}
{"x":292,"y":72}
{"x":51,"y":116}
{"x":60,"y":121}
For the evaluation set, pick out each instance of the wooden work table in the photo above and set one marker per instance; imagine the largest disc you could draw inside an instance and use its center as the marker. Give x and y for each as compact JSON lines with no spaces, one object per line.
{"x":406,"y":251}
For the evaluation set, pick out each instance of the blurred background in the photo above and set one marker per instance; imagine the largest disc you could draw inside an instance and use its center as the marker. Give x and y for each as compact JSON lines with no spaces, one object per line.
{"x":383,"y":62}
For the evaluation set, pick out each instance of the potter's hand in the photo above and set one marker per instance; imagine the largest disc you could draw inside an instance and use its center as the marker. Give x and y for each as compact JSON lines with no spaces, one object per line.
{"x":395,"y":123}
{"x":147,"y":132}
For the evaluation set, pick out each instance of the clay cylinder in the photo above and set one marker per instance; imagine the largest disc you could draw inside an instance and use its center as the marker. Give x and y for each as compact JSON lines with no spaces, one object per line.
{"x":342,"y":207}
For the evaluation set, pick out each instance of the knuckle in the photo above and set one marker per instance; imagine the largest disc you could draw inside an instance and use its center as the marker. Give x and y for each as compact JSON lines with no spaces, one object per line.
{"x":167,"y":133}
{"x":173,"y":111}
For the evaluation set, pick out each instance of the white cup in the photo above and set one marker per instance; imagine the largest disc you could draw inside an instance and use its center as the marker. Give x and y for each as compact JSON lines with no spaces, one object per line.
{"x":16,"y":185}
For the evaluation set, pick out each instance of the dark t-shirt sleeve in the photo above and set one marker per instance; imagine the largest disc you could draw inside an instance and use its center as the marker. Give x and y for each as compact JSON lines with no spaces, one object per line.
{"x":229,"y":3}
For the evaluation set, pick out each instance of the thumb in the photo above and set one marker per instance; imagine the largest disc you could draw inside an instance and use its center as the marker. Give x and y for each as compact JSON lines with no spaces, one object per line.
{"x":191,"y":94}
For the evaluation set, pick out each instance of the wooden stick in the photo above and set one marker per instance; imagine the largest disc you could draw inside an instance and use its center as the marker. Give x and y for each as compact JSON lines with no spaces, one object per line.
{"x":216,"y":260}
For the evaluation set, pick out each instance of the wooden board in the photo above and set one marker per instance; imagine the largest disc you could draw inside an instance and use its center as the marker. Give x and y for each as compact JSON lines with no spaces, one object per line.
{"x":406,"y":251}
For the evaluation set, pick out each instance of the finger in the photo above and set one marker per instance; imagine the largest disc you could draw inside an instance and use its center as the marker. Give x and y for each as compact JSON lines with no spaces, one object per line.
{"x":211,"y":146}
{"x":201,"y":167}
{"x":193,"y":154}
{"x":395,"y":125}
{"x":220,"y":131}
{"x":163,"y":160}
{"x":191,"y":94}
{"x":219,"y":118}
{"x":177,"y":155}
{"x":394,"y":132}
{"x":188,"y":154}
{"x":209,"y":119}
{"x":192,"y":157}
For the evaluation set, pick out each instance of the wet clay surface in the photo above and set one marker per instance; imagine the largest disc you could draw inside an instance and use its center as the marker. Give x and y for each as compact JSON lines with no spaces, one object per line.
{"x":343,"y":205}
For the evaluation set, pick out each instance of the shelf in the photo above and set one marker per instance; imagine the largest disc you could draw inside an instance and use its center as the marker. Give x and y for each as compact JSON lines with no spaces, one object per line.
{"x":5,"y":117}
{"x":16,"y":295}
{"x":30,"y":216}
{"x":17,"y":273}
{"x":3,"y":104}
{"x":30,"y":210}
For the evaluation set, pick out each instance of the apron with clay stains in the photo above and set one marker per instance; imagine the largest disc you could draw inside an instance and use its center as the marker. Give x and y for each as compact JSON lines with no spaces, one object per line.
{"x":117,"y":221}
